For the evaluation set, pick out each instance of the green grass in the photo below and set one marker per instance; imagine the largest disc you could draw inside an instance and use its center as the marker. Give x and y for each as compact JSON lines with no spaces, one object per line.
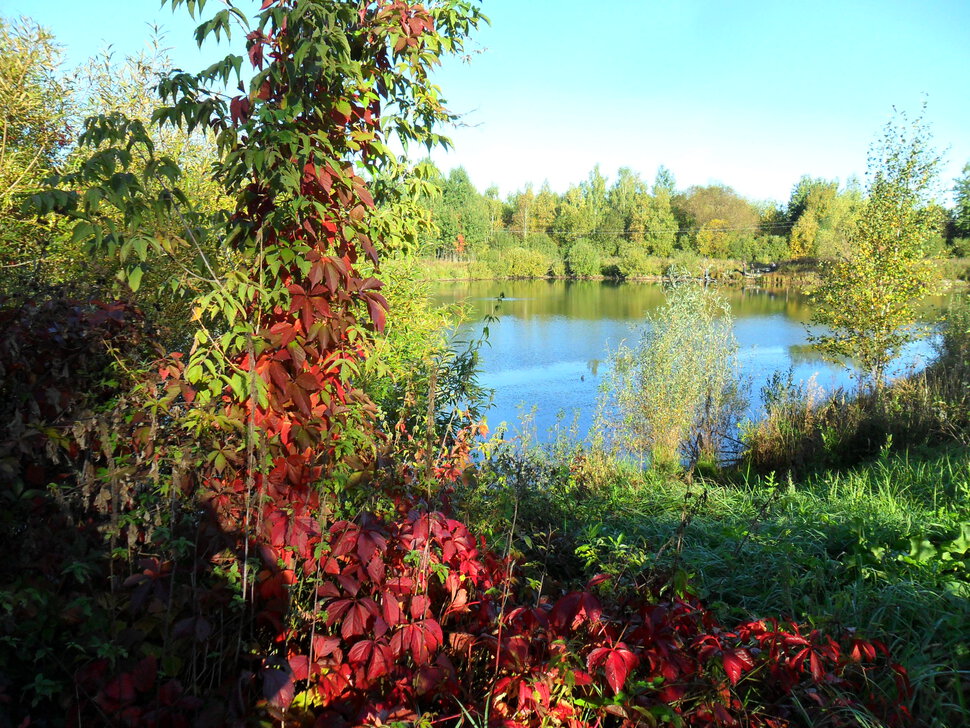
{"x":837,"y":549}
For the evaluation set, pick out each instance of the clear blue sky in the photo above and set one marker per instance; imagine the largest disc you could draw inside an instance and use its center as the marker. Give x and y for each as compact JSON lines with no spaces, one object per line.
{"x":751,"y":93}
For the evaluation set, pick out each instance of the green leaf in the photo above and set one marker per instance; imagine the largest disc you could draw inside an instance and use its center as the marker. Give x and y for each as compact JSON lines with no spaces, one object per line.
{"x":82,"y":231}
{"x":134,"y":278}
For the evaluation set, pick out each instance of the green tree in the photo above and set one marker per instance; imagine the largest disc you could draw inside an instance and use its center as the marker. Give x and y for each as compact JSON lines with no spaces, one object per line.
{"x":664,"y":182}
{"x":574,"y":218}
{"x":493,"y":210}
{"x":961,"y":203}
{"x":699,"y":206}
{"x":461,"y":215}
{"x":522,"y":204}
{"x":533,"y":213}
{"x":544,"y":209}
{"x":36,"y":107}
{"x":594,"y":194}
{"x":868,"y":298}
{"x":821,"y":217}
{"x":653,"y":226}
{"x":625,"y":194}
{"x":713,"y":239}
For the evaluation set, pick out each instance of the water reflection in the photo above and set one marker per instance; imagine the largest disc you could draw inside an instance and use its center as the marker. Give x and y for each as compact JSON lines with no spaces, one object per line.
{"x":550,"y":344}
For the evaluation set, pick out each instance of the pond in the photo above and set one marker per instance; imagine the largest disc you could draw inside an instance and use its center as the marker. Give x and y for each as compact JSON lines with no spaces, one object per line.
{"x":551,"y":343}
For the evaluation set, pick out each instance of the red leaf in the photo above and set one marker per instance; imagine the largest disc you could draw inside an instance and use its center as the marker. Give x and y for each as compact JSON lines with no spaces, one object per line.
{"x":421,"y":639}
{"x":597,"y":580}
{"x":376,"y":657}
{"x":119,"y":691}
{"x":278,"y":688}
{"x":391,"y":610}
{"x":818,"y":671}
{"x":300,"y":667}
{"x":617,"y":662}
{"x":376,"y":307}
{"x":144,"y":674}
{"x":575,"y":608}
{"x":419,"y":606}
{"x":325,"y":646}
{"x":369,"y":543}
{"x":376,"y":569}
{"x":735,"y":663}
{"x":355,"y":623}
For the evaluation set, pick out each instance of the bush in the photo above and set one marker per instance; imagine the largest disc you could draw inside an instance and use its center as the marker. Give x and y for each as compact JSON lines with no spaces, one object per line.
{"x":480,"y":270}
{"x":954,"y":269}
{"x":635,"y":262}
{"x":771,"y":248}
{"x":960,"y":247}
{"x":583,"y":259}
{"x":519,"y":262}
{"x":676,"y":394}
{"x":687,"y":261}
{"x":543,"y":244}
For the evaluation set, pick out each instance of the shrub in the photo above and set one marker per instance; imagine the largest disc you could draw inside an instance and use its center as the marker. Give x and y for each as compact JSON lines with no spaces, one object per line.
{"x":805,"y":430}
{"x":480,"y":270}
{"x":583,"y":259}
{"x":688,"y":261}
{"x":519,"y":262}
{"x":960,"y":247}
{"x":675,"y":394}
{"x":635,"y":262}
{"x":954,"y":269}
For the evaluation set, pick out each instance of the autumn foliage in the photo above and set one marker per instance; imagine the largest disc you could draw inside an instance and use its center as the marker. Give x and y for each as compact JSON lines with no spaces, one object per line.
{"x":251,"y":569}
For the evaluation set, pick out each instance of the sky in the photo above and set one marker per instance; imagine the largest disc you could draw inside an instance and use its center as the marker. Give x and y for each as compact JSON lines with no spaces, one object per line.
{"x":749,"y":93}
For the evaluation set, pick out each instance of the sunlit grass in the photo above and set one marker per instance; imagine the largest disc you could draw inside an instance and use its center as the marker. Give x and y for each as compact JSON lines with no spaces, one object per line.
{"x":828,"y":549}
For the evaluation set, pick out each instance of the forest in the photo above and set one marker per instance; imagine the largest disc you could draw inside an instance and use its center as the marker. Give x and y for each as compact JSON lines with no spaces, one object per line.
{"x":631,"y":228}
{"x":246,"y":471}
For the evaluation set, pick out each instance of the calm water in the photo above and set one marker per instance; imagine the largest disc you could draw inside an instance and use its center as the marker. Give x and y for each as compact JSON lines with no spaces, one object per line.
{"x":551,"y":343}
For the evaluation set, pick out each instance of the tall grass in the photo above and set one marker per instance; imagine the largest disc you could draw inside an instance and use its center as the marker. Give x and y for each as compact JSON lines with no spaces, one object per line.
{"x":804,"y":430}
{"x":847,"y":513}
{"x":834,"y":549}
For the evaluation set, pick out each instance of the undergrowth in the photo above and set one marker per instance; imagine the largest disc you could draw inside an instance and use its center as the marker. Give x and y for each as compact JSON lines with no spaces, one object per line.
{"x":880,"y":549}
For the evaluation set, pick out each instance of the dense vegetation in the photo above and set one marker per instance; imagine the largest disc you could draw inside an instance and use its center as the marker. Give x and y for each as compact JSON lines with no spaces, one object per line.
{"x":243,"y":472}
{"x":635,"y":229}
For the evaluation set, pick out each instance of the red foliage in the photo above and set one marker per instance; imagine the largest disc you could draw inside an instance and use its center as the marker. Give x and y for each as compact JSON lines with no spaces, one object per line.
{"x":46,"y":349}
{"x":384,"y":619}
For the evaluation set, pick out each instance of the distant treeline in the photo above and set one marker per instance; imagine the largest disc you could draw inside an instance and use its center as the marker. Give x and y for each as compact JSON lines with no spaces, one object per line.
{"x":634,"y":228}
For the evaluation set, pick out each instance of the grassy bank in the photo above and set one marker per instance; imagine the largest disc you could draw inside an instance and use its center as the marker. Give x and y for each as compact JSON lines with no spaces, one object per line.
{"x":792,"y":272}
{"x":843,"y":513}
{"x":881,"y":548}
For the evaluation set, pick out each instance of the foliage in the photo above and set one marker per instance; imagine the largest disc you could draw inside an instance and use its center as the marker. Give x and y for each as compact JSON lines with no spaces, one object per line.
{"x":583,"y":259}
{"x":271,"y":372}
{"x":255,"y":549}
{"x":401,"y":357}
{"x":713,"y":238}
{"x":519,"y":262}
{"x":35,"y":113}
{"x":47,"y":349}
{"x":754,"y":545}
{"x":867,"y":299}
{"x":461,"y":216}
{"x":714,"y":209}
{"x":961,"y":203}
{"x":674,"y":394}
{"x":821,"y":218}
{"x":804,"y":428}
{"x":653,"y":225}
{"x":635,"y":262}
